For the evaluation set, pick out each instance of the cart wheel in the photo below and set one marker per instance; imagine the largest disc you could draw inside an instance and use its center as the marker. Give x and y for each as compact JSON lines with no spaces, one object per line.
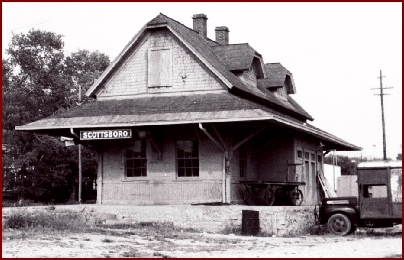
{"x":269,"y":197}
{"x":296,"y":196}
{"x":248,"y":198}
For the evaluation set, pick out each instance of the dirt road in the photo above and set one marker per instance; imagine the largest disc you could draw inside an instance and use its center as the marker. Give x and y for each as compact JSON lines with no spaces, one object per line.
{"x":131,"y":243}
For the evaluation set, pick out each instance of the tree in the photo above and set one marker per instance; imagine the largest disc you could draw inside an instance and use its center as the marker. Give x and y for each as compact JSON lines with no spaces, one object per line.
{"x":37,"y":82}
{"x":348,"y":165}
{"x":83,"y":68}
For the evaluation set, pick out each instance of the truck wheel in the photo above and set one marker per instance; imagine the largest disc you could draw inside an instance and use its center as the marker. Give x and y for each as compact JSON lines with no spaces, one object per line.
{"x":339,"y":224}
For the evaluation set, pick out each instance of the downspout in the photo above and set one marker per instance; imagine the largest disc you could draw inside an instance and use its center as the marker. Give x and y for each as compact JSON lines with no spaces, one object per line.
{"x":224,"y":161}
{"x":99,"y":176}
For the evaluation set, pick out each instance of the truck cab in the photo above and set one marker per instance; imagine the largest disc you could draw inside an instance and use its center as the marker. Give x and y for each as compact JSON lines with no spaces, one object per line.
{"x":379,"y":203}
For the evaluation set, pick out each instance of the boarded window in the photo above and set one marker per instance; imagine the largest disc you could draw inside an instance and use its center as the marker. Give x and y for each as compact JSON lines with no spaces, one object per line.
{"x":187,"y":159}
{"x":135,"y":160}
{"x":159,"y":68}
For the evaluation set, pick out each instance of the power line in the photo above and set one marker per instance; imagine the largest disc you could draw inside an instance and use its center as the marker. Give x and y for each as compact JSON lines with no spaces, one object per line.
{"x":29,"y":26}
{"x":383,"y":123}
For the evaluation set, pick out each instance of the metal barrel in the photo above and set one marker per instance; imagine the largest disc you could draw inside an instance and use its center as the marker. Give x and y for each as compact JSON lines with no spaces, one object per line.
{"x":250,"y":223}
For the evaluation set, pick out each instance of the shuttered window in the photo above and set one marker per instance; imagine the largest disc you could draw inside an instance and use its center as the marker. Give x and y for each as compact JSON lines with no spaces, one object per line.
{"x":159,"y":68}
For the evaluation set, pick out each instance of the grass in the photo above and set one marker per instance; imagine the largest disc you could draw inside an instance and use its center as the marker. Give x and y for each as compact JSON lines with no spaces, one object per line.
{"x":56,"y":221}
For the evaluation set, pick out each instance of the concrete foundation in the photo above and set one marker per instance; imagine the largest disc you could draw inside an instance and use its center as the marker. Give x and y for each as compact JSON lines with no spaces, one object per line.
{"x":274,"y":220}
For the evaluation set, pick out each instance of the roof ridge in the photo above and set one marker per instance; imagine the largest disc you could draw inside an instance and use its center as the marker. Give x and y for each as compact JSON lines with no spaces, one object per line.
{"x":232,"y":44}
{"x":191,"y":29}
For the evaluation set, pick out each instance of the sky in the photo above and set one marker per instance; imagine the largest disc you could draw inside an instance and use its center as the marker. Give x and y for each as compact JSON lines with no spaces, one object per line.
{"x":334,"y":50}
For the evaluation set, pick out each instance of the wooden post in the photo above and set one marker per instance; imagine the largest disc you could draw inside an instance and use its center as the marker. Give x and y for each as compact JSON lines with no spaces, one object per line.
{"x":80,"y":164}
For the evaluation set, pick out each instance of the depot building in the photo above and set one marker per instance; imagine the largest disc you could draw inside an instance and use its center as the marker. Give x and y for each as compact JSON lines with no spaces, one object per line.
{"x":179,"y":118}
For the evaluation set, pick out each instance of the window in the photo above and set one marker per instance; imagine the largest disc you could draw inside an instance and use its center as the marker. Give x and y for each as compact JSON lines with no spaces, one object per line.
{"x":159,"y":68}
{"x":374,"y":191}
{"x":306,"y":156}
{"x":187,"y":159}
{"x":313,"y":157}
{"x":299,"y":154}
{"x":135,"y":160}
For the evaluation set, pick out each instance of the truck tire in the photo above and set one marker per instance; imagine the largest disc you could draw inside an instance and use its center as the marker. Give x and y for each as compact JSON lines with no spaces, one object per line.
{"x":339,"y":224}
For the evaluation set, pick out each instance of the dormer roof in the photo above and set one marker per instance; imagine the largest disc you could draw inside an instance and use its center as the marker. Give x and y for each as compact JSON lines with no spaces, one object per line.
{"x":237,"y":56}
{"x":279,"y":76}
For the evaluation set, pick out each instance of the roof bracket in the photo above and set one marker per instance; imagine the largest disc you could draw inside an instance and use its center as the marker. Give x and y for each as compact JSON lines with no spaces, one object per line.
{"x":154,"y":145}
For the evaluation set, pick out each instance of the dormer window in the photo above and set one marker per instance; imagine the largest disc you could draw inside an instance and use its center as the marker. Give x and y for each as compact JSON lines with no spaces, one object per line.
{"x":160,"y":67}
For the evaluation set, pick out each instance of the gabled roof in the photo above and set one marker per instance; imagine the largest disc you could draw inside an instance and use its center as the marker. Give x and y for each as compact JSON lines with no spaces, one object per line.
{"x":240,"y":103}
{"x":203,"y":49}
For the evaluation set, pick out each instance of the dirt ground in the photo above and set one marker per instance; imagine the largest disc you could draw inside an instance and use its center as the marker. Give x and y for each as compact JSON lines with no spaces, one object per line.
{"x":131,"y":243}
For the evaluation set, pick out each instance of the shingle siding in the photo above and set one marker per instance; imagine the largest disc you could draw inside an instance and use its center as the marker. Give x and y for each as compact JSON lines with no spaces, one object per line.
{"x":188,"y":74}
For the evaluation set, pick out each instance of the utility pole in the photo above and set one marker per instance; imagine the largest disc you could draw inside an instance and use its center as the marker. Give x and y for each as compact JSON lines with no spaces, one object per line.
{"x":383,"y":124}
{"x":80,"y":165}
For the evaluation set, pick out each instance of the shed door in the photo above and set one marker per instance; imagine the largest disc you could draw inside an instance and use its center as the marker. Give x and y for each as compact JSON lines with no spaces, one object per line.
{"x":373,"y":195}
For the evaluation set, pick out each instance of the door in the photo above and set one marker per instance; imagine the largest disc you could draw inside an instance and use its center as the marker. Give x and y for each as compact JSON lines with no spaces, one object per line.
{"x":373,"y":193}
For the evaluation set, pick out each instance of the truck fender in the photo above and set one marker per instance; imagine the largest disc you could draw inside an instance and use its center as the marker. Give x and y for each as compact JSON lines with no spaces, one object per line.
{"x":351,"y":213}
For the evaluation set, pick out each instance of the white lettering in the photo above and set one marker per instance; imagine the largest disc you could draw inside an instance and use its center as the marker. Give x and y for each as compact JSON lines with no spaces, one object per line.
{"x":105,"y":134}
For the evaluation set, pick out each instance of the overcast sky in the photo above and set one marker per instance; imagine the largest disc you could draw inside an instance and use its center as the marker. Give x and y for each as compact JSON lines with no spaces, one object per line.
{"x":334,"y":50}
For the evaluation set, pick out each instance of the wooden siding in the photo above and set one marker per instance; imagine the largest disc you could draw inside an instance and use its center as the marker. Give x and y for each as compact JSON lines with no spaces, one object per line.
{"x":188,"y":74}
{"x":160,"y":193}
{"x":273,"y":161}
{"x":249,"y":77}
{"x":162,"y":186}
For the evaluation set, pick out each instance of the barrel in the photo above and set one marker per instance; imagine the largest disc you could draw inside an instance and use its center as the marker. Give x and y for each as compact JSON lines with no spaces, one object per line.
{"x":250,"y":223}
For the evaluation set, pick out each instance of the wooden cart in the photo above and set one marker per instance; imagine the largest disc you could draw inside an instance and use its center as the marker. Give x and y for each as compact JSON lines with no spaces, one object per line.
{"x":266,"y":192}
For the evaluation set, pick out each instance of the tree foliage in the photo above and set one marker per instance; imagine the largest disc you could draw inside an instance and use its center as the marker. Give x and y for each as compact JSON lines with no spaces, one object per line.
{"x":347,"y":164}
{"x":38,"y":81}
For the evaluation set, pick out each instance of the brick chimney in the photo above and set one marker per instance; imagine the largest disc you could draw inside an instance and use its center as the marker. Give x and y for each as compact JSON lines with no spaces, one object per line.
{"x":200,"y":21}
{"x":222,"y":35}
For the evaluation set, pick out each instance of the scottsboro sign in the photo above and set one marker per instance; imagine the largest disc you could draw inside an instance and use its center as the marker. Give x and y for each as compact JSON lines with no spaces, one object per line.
{"x":106,"y":134}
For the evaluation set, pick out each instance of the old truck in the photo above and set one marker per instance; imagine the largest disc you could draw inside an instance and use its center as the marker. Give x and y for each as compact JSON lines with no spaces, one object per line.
{"x":378,"y":203}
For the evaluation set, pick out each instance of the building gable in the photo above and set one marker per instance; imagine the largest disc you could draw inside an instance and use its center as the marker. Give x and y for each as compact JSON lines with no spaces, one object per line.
{"x":159,"y":64}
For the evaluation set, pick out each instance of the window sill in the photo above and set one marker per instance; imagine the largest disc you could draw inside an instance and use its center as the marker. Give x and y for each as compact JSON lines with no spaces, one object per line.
{"x":185,"y":179}
{"x":135,"y":179}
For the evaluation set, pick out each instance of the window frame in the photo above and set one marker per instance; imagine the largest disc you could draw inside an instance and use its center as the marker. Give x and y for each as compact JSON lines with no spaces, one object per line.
{"x":143,"y":160}
{"x":185,"y":159}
